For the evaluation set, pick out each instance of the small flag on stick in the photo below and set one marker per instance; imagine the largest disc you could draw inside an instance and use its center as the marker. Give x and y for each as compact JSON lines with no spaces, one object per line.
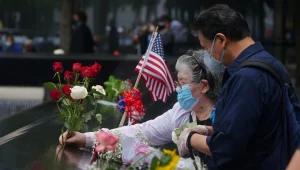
{"x":155,"y":72}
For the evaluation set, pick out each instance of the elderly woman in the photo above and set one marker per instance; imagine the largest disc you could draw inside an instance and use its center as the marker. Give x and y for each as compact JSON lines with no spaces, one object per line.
{"x":197,"y":90}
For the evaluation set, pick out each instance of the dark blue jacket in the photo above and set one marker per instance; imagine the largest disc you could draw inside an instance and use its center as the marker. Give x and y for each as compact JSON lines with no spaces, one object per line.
{"x":246,"y":116}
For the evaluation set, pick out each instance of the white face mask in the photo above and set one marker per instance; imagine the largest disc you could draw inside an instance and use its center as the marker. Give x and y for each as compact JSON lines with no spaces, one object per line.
{"x":214,"y":65}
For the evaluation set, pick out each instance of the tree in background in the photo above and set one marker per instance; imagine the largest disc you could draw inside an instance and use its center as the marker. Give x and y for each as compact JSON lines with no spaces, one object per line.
{"x":66,"y":25}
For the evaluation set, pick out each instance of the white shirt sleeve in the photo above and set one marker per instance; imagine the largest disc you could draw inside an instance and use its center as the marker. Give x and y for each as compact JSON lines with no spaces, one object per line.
{"x":159,"y":130}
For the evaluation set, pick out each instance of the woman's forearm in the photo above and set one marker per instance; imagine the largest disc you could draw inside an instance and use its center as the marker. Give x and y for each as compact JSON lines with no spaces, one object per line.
{"x":198,"y":142}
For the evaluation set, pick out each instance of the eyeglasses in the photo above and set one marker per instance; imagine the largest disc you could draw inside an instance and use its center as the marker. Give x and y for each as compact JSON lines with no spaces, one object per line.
{"x":179,"y":86}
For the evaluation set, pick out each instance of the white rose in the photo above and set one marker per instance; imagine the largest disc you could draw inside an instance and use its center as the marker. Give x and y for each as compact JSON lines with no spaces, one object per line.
{"x":99,"y":89}
{"x":78,"y":92}
{"x":174,"y":137}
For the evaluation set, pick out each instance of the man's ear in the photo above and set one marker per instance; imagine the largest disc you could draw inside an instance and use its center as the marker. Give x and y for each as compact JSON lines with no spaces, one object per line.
{"x":223,"y":39}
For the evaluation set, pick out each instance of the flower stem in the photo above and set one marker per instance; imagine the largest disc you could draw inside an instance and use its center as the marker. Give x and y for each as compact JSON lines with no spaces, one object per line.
{"x":58,"y":75}
{"x":58,"y":108}
{"x":94,"y":115}
{"x":96,"y":104}
{"x":76,"y":77}
{"x":63,"y":140}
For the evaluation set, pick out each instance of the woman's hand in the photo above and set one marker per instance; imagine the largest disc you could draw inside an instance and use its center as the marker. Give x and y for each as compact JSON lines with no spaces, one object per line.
{"x":182,"y":142}
{"x":76,"y":139}
{"x":199,"y":129}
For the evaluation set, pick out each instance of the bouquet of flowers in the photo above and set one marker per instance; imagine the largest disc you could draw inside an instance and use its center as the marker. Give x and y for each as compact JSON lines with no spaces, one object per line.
{"x":74,"y":95}
{"x":108,"y":142}
{"x":176,"y":133}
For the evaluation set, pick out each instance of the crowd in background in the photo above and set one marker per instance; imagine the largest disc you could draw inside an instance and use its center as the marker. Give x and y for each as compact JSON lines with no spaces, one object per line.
{"x":84,"y":41}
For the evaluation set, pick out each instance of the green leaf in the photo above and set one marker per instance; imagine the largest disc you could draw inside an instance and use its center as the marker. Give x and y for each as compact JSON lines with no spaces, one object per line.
{"x":67,"y":125}
{"x":107,"y":84}
{"x":61,"y":117}
{"x":91,"y":99}
{"x":111,"y":78}
{"x":110,"y":169}
{"x":165,"y":159}
{"x":111,"y":93}
{"x":99,"y":118}
{"x":50,"y":85}
{"x":154,"y":163}
{"x":117,"y":84}
{"x":98,"y":93}
{"x":183,"y":127}
{"x":89,"y":117}
{"x":193,"y":124}
{"x":177,"y":132}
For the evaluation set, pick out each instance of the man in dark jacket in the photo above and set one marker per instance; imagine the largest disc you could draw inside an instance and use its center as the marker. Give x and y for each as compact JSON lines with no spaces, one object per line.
{"x":249,"y":110}
{"x":82,"y":40}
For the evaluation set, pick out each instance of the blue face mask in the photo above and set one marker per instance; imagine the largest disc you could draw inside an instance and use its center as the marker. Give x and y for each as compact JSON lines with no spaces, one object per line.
{"x":214,"y":65}
{"x":185,"y":98}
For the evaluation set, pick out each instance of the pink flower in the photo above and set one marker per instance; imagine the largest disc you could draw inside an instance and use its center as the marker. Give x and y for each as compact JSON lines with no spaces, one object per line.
{"x":106,"y":141}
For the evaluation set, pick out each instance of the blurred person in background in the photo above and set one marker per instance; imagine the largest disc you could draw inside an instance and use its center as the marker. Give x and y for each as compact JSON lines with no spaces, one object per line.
{"x":180,"y":32}
{"x":166,"y":33}
{"x":11,"y":46}
{"x":82,"y":40}
{"x":143,"y":38}
{"x":151,"y":29}
{"x":113,"y":38}
{"x":97,"y":45}
{"x":28,"y":46}
{"x":46,"y":45}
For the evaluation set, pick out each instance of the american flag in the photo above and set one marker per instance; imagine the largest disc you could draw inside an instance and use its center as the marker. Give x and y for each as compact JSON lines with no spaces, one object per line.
{"x":156,"y":74}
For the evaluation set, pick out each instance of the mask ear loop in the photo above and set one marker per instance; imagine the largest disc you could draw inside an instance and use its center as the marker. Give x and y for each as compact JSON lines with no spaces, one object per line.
{"x":222,"y":57}
{"x":212,"y":46}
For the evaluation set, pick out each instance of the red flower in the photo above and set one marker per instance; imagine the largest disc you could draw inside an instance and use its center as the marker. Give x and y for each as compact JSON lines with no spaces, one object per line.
{"x":55,"y":95}
{"x":57,"y":67}
{"x":96,"y":67}
{"x":88,"y":72}
{"x":106,"y":141}
{"x":77,"y":67}
{"x":68,"y":76}
{"x":82,"y":70}
{"x":66,"y":89}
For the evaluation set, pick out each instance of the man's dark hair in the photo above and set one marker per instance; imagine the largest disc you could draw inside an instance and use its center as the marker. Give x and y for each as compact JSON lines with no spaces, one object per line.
{"x":165,"y":18}
{"x":81,"y":15}
{"x":221,"y":18}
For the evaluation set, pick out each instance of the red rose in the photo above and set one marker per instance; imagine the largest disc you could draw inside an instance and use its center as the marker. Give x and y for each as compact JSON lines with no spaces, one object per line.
{"x":82,"y":70}
{"x":96,"y":67}
{"x":57,"y":67}
{"x":66,"y":89}
{"x":55,"y":95}
{"x":90,"y":72}
{"x":68,"y":76}
{"x":77,"y":67}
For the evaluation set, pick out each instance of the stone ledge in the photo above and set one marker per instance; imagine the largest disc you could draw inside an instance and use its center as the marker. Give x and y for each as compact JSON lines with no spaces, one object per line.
{"x":21,"y":93}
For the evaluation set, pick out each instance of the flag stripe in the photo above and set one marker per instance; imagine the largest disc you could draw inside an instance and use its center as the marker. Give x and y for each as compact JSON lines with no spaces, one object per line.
{"x":163,"y":74}
{"x":156,"y":73}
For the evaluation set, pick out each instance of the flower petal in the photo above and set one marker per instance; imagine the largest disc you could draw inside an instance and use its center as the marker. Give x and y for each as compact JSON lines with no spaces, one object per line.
{"x":100,"y":148}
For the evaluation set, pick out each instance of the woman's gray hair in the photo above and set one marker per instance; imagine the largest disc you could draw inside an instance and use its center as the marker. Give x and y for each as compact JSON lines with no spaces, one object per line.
{"x":193,"y":62}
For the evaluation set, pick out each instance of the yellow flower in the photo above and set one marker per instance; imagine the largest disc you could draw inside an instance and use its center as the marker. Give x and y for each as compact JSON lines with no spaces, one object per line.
{"x":172,"y":163}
